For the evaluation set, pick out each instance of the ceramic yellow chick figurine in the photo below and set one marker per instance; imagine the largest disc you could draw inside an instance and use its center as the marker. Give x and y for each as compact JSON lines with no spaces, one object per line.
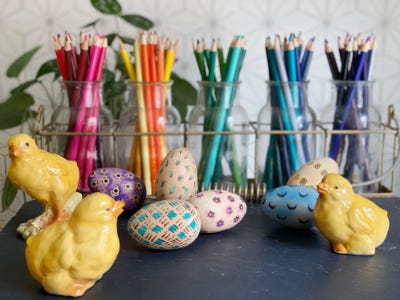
{"x":47,"y":177}
{"x":69,"y":256}
{"x":351,"y":223}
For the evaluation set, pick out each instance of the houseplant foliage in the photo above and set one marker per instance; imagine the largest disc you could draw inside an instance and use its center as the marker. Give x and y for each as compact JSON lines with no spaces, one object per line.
{"x":19,"y":108}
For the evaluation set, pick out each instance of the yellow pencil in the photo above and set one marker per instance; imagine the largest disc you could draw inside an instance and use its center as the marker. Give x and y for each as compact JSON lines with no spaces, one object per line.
{"x":125,"y":59}
{"x":142,"y":122}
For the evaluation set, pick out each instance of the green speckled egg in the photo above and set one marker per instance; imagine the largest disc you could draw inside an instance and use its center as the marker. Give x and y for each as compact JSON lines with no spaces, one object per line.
{"x":177,"y":176}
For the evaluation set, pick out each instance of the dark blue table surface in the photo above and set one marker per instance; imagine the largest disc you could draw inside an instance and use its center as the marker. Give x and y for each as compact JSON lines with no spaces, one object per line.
{"x":257,"y":259}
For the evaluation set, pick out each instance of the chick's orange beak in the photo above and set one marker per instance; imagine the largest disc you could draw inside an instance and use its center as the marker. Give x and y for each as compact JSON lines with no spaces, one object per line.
{"x":11,"y":151}
{"x":322,"y":188}
{"x":118,"y":208}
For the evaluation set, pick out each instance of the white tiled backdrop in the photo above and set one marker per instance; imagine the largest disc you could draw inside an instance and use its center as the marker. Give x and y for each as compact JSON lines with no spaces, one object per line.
{"x":25,"y":24}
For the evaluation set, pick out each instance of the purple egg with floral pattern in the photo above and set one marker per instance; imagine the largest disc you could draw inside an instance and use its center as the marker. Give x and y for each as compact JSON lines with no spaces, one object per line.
{"x":219,"y":210}
{"x":119,"y":184}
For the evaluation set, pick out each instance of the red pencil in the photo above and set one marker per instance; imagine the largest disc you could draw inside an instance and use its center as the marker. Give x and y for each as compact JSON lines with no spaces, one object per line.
{"x":60,"y":57}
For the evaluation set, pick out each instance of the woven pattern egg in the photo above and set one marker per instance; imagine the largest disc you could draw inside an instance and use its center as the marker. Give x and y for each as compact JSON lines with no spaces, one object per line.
{"x":119,"y":184}
{"x":165,"y":225}
{"x":312,"y":172}
{"x":219,"y":210}
{"x":177,"y":176}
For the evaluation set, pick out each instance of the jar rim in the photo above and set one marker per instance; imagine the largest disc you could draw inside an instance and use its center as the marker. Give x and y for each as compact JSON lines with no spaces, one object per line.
{"x":219,"y":83}
{"x":136,"y":82}
{"x":352,"y":81}
{"x":80,"y":81}
{"x":276,"y":82}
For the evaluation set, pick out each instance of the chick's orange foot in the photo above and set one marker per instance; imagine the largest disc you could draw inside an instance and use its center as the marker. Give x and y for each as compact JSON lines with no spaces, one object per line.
{"x":339,"y":248}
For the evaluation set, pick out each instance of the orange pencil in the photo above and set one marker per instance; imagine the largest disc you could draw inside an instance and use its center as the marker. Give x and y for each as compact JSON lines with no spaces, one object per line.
{"x":160,"y":78}
{"x":155,"y":94}
{"x":149,"y":106}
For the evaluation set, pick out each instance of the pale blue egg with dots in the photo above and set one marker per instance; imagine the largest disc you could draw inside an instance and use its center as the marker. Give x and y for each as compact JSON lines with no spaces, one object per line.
{"x":291,"y":205}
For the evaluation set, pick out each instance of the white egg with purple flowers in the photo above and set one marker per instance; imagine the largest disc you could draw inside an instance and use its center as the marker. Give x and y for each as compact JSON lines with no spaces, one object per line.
{"x":219,"y":210}
{"x":291,"y":205}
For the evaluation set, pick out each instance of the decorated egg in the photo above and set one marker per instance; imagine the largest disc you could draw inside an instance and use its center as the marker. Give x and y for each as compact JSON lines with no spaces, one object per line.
{"x":119,"y":184}
{"x":312,"y":172}
{"x":219,"y":210}
{"x":165,"y":225}
{"x":177,"y":176}
{"x":291,"y":206}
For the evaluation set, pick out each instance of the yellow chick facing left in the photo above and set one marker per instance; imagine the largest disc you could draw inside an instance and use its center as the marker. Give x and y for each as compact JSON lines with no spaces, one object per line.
{"x":351,"y":223}
{"x":69,"y":256}
{"x":47,"y":177}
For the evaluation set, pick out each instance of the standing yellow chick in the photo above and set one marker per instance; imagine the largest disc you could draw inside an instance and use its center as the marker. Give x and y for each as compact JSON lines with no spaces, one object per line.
{"x":47,"y":177}
{"x":351,"y":223}
{"x":69,"y":256}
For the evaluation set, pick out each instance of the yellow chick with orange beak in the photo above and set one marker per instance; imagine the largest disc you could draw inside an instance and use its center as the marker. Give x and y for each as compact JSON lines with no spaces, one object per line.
{"x":351,"y":223}
{"x":46,"y":177}
{"x":69,"y":256}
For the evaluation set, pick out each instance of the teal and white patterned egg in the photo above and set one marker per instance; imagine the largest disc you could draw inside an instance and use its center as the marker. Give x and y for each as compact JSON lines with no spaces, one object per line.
{"x":165,"y":225}
{"x":177,"y":176}
{"x":291,"y":205}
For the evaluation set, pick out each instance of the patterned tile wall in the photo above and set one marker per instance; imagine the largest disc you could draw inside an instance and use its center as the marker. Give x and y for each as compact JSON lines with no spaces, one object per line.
{"x":25,"y":24}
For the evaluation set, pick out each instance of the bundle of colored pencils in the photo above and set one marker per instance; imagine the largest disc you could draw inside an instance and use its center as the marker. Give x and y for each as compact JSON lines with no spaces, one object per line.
{"x":149,"y":72}
{"x":82,"y":74}
{"x":352,"y":85}
{"x":220,"y":95}
{"x":288,"y":66}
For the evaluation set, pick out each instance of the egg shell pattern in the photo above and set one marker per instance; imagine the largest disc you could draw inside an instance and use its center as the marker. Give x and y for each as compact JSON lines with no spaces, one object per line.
{"x":165,"y":225}
{"x":312,"y":172}
{"x":291,"y":206}
{"x":119,"y":184}
{"x":177,"y":176}
{"x":219,"y":210}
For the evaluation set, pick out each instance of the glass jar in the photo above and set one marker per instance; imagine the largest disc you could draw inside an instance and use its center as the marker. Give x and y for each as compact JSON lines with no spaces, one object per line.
{"x":221,"y":157}
{"x":149,"y":110}
{"x":358,"y":154}
{"x":280,"y":154}
{"x":76,"y":123}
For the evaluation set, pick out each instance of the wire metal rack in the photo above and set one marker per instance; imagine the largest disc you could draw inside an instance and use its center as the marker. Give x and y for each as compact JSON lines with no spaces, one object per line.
{"x":253,"y":191}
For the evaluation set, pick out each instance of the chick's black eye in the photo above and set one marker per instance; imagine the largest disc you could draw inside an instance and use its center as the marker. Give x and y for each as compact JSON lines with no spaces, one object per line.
{"x":27,"y":144}
{"x":108,"y":209}
{"x":336,"y":187}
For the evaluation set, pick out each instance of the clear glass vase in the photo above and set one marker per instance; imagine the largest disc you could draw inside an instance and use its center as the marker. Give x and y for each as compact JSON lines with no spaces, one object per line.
{"x":149,"y":110}
{"x":77,"y":124}
{"x":358,"y":154}
{"x":221,"y":156}
{"x":282,"y":153}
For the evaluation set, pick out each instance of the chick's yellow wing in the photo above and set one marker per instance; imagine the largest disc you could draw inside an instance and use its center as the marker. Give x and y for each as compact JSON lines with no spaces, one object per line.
{"x":55,"y":165}
{"x":50,"y":250}
{"x":361,"y":218}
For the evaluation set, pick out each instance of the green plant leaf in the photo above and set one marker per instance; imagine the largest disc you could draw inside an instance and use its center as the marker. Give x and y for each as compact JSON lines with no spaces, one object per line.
{"x":108,"y":7}
{"x":127,"y":40}
{"x":14,"y":109}
{"x":112,"y":89}
{"x":183,"y":94}
{"x":138,"y":21}
{"x":8,"y":195}
{"x":21,"y":62}
{"x":91,"y":24}
{"x":22,"y":87}
{"x":111,"y":37}
{"x":50,"y":66}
